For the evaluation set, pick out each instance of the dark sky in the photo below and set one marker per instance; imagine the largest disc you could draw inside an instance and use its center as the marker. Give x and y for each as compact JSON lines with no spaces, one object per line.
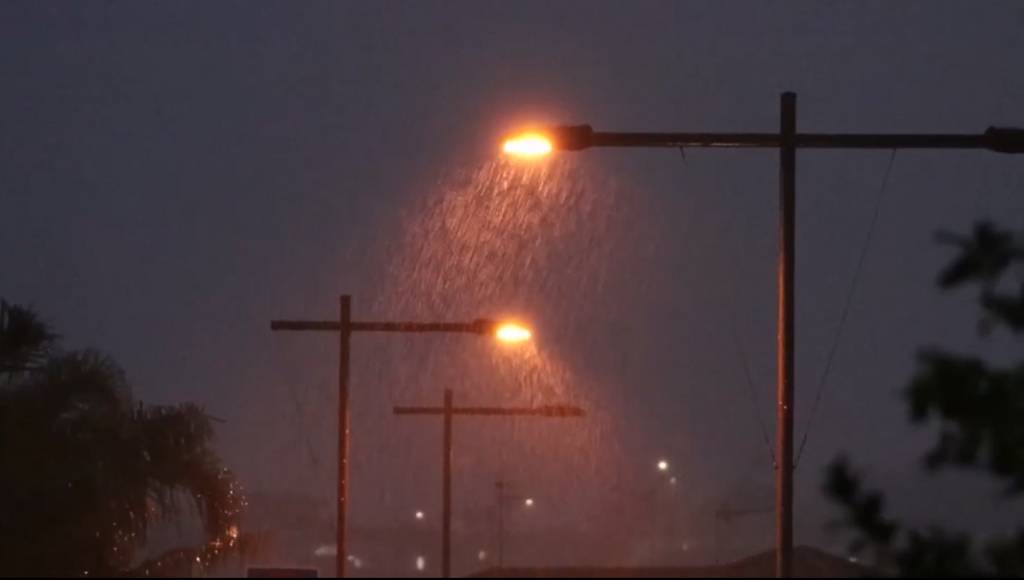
{"x":174,"y":175}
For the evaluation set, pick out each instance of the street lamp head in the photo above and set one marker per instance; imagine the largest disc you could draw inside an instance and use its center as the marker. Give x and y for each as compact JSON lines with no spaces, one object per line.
{"x":540,"y":143}
{"x":511,"y":332}
{"x":528,"y":145}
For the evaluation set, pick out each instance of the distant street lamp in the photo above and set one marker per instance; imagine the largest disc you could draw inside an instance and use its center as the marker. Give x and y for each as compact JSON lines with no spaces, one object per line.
{"x":345,"y":326}
{"x":448,"y":412}
{"x":787,"y":141}
{"x":663,"y":465}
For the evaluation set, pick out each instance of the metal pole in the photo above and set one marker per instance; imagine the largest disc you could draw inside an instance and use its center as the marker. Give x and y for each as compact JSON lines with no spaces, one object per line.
{"x":501,"y":524}
{"x":784,"y":364}
{"x":344,"y":349}
{"x":446,"y":548}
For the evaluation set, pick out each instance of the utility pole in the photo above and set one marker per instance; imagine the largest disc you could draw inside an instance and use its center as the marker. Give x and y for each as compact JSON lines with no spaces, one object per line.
{"x":784,"y":348}
{"x":345,"y":326}
{"x":448,"y":412}
{"x":499,"y":488}
{"x":787,"y":141}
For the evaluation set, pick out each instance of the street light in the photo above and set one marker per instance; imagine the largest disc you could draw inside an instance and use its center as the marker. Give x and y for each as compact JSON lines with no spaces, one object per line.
{"x":786,"y":141}
{"x":540,"y":143}
{"x":663,"y":465}
{"x":345,"y":326}
{"x":528,"y":145}
{"x":511,"y":332}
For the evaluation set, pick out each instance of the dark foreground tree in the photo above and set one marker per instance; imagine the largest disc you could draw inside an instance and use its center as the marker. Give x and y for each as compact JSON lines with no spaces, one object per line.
{"x":87,"y":471}
{"x":978,"y":409}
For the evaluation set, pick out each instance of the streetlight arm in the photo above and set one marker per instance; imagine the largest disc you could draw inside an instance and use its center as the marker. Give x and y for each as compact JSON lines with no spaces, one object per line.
{"x":475,"y":327}
{"x":481,"y":326}
{"x":324,"y":325}
{"x":544,"y":411}
{"x":999,"y":139}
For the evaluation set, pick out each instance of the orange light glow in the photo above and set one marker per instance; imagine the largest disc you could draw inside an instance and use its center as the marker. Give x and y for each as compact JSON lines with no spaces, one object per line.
{"x":528,"y":145}
{"x":511,"y":332}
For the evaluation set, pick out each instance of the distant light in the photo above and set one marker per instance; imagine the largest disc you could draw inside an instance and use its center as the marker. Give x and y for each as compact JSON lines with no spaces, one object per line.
{"x":233,"y":532}
{"x":512,"y":332}
{"x":420,"y":515}
{"x":481,"y":555}
{"x":528,"y":145}
{"x":672,"y":480}
{"x":326,"y":550}
{"x":854,"y":559}
{"x":421,"y":563}
{"x":685,"y":547}
{"x":662,"y":465}
{"x":529,"y":502}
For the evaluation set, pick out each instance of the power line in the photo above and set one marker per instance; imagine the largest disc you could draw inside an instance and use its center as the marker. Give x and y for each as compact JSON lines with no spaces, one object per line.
{"x":741,"y":354}
{"x":752,"y":391}
{"x":823,"y":381}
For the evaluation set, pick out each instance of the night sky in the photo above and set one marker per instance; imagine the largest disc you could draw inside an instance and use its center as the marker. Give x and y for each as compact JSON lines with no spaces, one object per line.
{"x":175,"y":175}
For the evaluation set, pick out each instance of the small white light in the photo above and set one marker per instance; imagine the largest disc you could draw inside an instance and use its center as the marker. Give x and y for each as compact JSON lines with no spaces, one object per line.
{"x":481,"y":555}
{"x":326,"y":550}
{"x":421,"y":563}
{"x":420,"y":515}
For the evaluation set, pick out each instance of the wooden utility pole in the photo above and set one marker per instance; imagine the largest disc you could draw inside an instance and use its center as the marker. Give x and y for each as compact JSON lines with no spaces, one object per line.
{"x":345,"y":326}
{"x":448,"y":412}
{"x":787,"y":141}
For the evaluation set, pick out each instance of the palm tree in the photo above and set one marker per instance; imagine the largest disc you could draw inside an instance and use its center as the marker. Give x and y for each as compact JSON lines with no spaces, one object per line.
{"x":87,"y":470}
{"x":25,"y":340}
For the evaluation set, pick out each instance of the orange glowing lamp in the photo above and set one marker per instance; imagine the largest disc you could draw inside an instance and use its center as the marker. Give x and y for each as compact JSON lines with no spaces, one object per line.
{"x":511,"y":332}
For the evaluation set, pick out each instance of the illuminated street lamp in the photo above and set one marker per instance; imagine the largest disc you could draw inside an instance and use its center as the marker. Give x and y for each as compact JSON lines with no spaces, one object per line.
{"x":511,"y":332}
{"x":528,"y":145}
{"x":345,"y":326}
{"x":786,"y":141}
{"x":662,"y":466}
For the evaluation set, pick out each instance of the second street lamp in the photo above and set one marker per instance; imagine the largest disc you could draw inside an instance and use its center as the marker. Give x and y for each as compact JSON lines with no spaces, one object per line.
{"x":345,"y":326}
{"x":787,"y":140}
